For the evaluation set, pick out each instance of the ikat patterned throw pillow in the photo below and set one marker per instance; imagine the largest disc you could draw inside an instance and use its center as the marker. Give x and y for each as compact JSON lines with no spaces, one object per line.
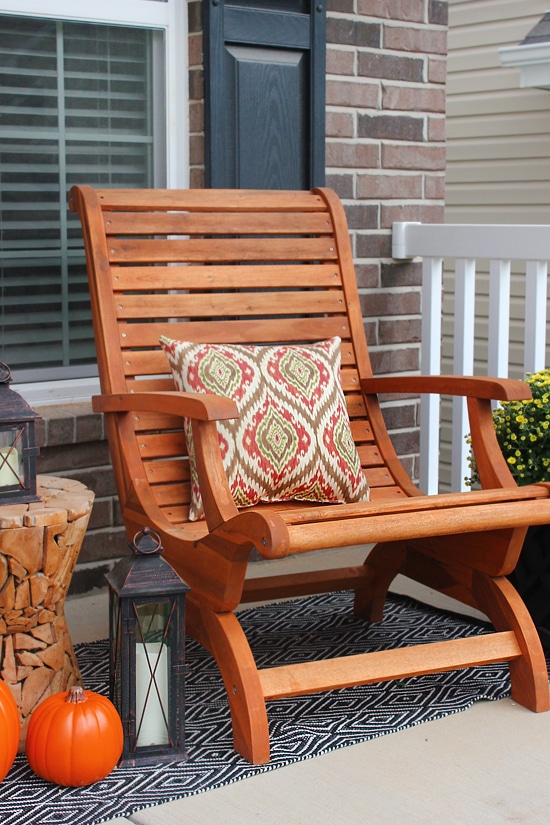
{"x":293,"y":439}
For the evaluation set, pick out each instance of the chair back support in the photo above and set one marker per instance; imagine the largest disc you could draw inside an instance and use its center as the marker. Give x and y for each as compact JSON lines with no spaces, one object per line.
{"x":242,"y":267}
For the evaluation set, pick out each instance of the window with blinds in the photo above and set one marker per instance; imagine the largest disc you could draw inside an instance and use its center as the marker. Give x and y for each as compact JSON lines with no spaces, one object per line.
{"x":76,"y":106}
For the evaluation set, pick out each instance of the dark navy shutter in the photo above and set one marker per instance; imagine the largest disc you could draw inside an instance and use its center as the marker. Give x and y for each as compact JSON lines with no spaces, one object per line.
{"x":264,"y":93}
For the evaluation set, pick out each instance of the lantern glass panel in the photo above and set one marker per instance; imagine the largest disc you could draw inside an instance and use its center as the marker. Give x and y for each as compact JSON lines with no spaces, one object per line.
{"x":12,"y":465}
{"x":153,"y":659}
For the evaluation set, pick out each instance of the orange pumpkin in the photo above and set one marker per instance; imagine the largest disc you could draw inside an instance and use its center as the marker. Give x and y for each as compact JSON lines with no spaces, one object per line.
{"x":10,"y":728}
{"x":74,"y":738}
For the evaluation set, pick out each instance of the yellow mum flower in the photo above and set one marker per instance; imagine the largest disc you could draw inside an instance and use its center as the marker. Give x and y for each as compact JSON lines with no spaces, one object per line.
{"x":523,"y":432}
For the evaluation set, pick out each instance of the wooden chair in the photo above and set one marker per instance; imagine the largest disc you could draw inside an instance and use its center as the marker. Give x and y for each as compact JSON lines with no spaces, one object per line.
{"x":265,"y":267}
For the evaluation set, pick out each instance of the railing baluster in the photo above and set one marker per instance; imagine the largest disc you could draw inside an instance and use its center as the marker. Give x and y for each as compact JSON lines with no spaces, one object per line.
{"x":463,"y":362}
{"x":432,"y":290}
{"x":536,"y":276}
{"x":499,"y":318}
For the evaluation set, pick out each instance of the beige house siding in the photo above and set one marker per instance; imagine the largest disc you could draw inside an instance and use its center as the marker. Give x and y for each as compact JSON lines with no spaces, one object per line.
{"x":498,"y":158}
{"x":498,"y":135}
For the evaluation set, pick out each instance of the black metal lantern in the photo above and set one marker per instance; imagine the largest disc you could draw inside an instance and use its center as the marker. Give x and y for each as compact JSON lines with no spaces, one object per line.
{"x":147,"y":652}
{"x":18,"y":448}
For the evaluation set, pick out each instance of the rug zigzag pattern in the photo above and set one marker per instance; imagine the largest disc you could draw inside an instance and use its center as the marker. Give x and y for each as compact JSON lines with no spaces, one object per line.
{"x":301,"y":727}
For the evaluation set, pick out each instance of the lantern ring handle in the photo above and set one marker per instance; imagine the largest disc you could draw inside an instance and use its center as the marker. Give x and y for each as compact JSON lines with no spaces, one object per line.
{"x":147,"y":542}
{"x":5,"y":374}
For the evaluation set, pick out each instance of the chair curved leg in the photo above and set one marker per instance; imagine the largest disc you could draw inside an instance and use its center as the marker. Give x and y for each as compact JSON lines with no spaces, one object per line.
{"x":223,"y":636}
{"x":385,"y":561}
{"x":501,"y":602}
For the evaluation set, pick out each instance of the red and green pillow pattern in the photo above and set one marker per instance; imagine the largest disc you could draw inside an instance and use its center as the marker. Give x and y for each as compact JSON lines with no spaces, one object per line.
{"x":292,"y":439}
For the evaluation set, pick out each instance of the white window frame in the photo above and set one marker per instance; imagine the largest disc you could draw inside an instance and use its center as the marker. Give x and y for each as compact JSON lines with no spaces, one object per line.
{"x":170,"y":17}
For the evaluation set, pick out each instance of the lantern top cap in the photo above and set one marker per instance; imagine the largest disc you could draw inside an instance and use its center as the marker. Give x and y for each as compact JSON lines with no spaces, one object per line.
{"x":145,"y":573}
{"x":13,"y":407}
{"x":147,"y":542}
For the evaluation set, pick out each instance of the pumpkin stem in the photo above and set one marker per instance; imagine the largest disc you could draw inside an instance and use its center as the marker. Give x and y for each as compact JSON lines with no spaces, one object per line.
{"x":75,"y":695}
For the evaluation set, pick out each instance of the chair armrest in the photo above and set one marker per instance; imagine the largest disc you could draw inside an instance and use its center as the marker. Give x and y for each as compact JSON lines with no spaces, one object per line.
{"x":204,"y":409}
{"x":199,"y":406}
{"x":497,"y":389}
{"x":480,"y":391}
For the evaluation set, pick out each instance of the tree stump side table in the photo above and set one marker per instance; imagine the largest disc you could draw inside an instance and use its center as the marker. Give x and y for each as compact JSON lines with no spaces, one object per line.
{"x":39,"y":546}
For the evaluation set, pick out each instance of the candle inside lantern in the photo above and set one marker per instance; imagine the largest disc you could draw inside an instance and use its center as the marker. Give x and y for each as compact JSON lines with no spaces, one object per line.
{"x":9,"y":466}
{"x":150,"y":721}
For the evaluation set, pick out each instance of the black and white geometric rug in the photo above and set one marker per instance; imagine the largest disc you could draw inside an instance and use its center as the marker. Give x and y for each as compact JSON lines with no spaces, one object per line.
{"x":301,"y":728}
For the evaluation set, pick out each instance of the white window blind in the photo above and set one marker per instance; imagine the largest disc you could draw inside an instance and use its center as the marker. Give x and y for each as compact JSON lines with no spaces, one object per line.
{"x":76,"y":106}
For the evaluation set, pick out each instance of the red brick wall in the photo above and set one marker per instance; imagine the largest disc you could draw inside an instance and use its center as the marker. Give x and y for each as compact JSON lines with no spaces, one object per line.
{"x":73,"y":445}
{"x":196,"y":96}
{"x":385,"y":157}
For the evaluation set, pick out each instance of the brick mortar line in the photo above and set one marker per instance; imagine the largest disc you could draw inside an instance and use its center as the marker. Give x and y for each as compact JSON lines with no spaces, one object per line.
{"x":385,"y":21}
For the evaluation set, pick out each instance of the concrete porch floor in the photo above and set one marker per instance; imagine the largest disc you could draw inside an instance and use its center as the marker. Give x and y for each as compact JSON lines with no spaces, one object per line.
{"x":488,"y":765}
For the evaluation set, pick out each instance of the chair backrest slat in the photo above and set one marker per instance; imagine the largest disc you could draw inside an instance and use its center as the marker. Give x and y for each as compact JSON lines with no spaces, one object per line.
{"x":204,"y":223}
{"x":240,"y":331}
{"x":214,"y":250}
{"x":279,"y":276}
{"x":228,"y":304}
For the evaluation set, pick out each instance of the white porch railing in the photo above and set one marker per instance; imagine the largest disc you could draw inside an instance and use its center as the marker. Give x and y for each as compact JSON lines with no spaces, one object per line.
{"x":461,"y":247}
